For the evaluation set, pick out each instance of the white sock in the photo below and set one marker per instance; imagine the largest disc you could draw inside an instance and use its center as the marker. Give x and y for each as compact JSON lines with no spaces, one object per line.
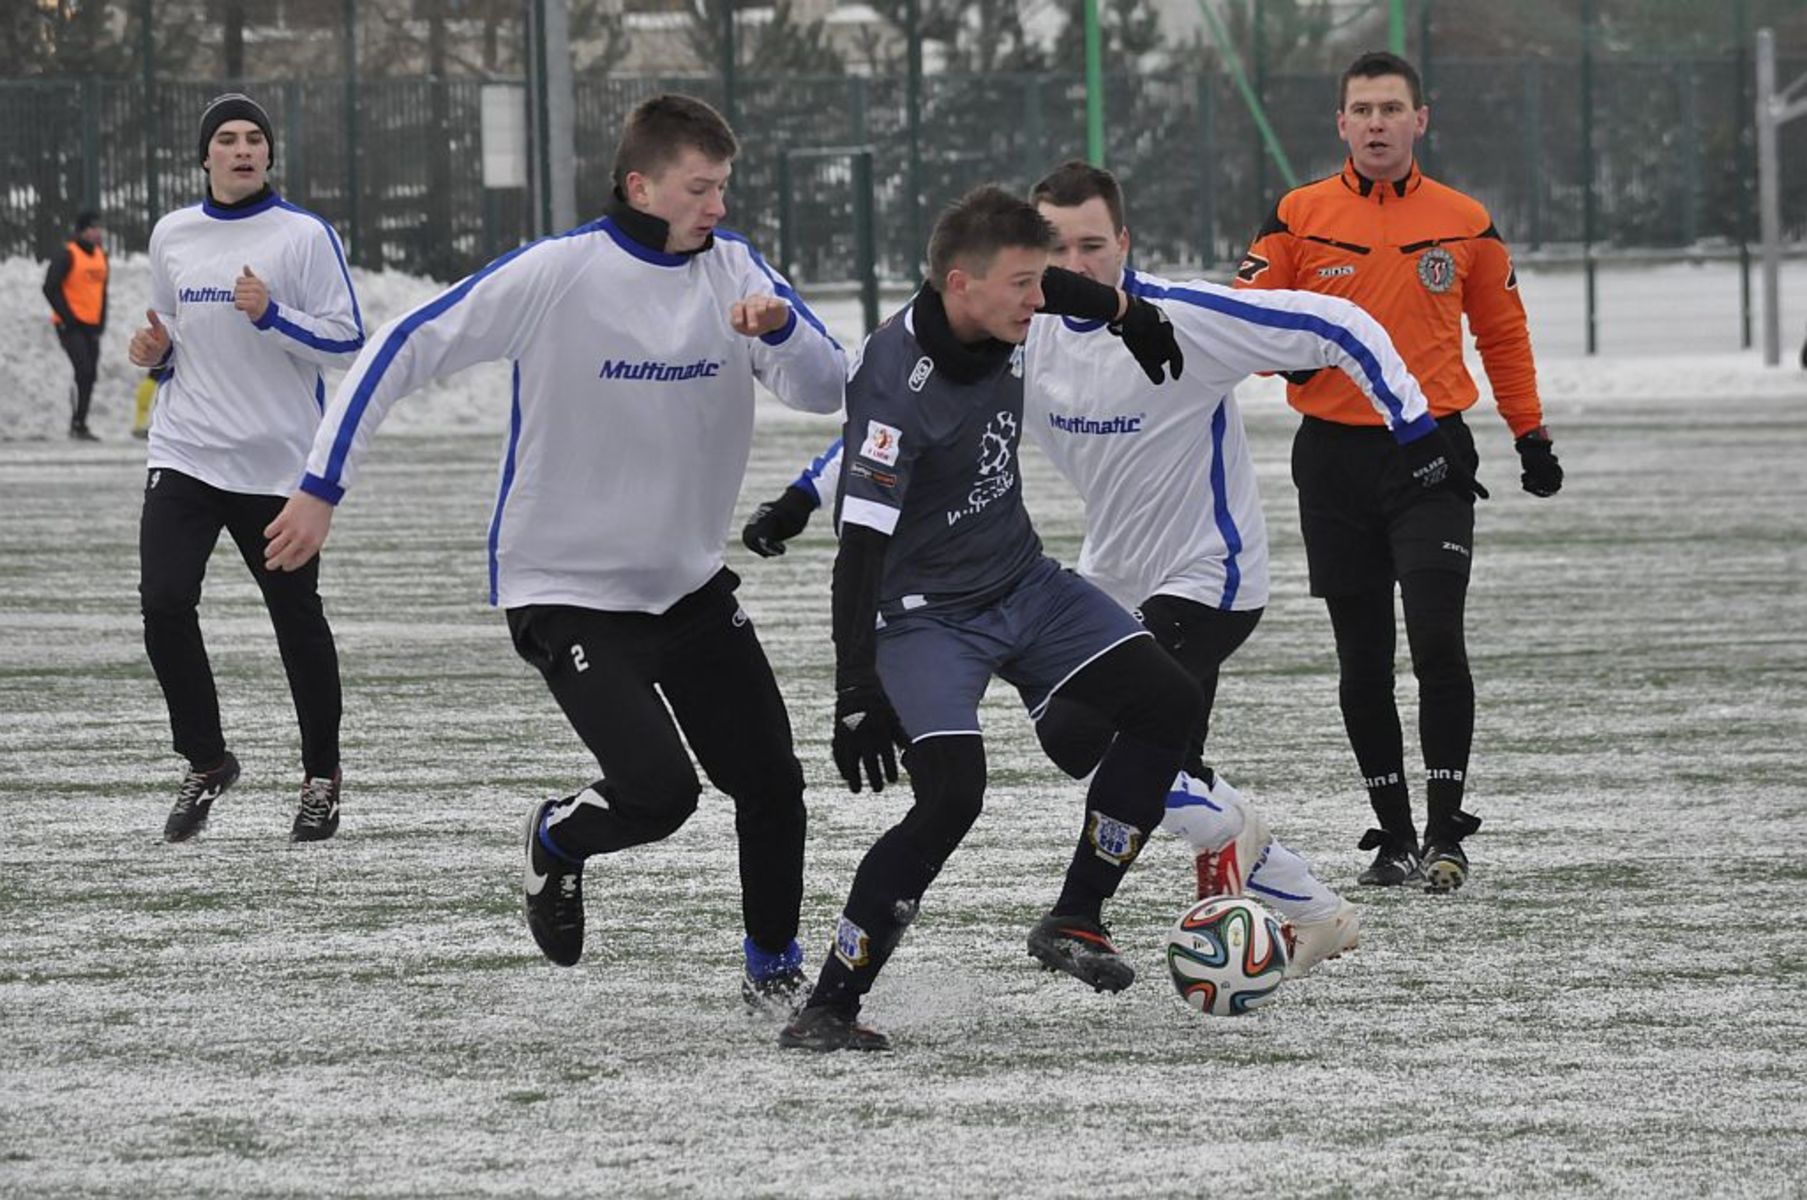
{"x":1204,"y":817}
{"x":1283,"y":881}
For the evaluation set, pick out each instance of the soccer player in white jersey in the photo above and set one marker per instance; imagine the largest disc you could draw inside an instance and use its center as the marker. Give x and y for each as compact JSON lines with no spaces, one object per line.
{"x":250,"y":300}
{"x":635,"y":341}
{"x":1173,"y":520}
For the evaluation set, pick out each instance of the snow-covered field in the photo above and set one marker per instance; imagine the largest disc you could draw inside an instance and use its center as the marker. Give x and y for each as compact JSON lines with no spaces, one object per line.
{"x":1617,"y":1005}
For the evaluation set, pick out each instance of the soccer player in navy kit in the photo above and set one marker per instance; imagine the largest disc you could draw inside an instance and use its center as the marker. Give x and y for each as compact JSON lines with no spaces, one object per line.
{"x":250,"y":299}
{"x":1174,"y":526}
{"x":940,"y":583}
{"x":635,"y":341}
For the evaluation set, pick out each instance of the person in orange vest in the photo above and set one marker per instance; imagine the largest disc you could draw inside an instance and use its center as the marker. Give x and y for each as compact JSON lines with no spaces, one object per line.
{"x":76,"y":286}
{"x":1419,"y":256}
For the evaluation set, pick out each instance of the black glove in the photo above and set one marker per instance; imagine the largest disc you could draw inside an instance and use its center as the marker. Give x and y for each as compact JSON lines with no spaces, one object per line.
{"x":1542,"y":475}
{"x":1432,"y":464}
{"x":1148,"y":334}
{"x":778,"y":521}
{"x":1300,"y":378}
{"x":866,"y":734}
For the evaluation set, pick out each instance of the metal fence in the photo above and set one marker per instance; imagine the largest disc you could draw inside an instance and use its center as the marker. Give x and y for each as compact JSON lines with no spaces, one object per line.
{"x":396,"y":164}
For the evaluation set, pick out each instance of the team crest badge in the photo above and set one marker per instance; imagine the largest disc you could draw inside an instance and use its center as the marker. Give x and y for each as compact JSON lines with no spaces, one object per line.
{"x":1436,"y":270}
{"x":851,"y":944}
{"x":881,"y":443}
{"x":1112,"y":840}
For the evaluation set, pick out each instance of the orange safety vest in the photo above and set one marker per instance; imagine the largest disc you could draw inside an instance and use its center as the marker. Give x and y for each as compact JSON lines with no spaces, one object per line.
{"x":85,"y":286}
{"x":1417,"y":255}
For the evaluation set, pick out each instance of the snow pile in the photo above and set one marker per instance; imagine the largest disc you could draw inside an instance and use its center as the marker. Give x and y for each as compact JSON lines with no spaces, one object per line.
{"x":1666,"y":330}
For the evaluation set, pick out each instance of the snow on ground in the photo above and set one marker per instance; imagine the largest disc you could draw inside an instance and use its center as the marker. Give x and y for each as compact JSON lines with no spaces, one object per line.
{"x":1664,"y":330}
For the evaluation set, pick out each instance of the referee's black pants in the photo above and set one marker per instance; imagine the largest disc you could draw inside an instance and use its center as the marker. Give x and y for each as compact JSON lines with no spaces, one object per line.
{"x":82,"y":344}
{"x":636,"y":687}
{"x":176,"y":536}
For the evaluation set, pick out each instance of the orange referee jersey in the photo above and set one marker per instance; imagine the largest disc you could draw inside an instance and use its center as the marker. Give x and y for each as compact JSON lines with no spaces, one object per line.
{"x":1417,"y":255}
{"x":84,"y":285}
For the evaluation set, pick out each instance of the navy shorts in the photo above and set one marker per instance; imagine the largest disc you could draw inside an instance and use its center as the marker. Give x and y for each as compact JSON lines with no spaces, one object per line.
{"x":936,"y":664}
{"x":1364,"y":520}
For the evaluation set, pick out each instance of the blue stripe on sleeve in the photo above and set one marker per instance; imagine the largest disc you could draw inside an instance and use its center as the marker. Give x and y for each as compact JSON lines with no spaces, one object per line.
{"x":813,"y":472}
{"x":782,"y":289}
{"x":1220,"y":503}
{"x":273,"y":319}
{"x":392,"y":345}
{"x":508,"y":461}
{"x":1281,"y":319}
{"x":332,"y":239}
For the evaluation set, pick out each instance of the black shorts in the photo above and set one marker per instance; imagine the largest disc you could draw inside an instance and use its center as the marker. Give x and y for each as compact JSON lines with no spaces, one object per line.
{"x":1364,"y":520}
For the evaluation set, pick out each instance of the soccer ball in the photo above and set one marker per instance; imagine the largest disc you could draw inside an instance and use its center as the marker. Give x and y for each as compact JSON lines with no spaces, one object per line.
{"x":1226,"y":955}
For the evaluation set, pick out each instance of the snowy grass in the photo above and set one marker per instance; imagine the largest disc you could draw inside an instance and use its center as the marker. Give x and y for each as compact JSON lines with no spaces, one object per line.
{"x":1615,"y":1006}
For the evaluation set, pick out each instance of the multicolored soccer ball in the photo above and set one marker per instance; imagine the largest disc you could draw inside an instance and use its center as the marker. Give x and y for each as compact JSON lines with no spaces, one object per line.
{"x":1227,"y":955}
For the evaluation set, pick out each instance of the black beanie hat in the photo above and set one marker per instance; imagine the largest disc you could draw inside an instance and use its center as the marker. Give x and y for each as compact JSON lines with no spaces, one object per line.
{"x":86,"y":219}
{"x":234,"y":106}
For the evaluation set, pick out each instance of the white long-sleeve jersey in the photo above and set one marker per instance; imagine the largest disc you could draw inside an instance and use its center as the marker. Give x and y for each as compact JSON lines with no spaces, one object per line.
{"x":632,"y":411}
{"x":240,"y":408}
{"x":1170,"y":495}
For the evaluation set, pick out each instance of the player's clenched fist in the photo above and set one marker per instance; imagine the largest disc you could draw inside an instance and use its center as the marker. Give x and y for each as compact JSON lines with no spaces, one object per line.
{"x":150,"y":344}
{"x":755,"y":316}
{"x":250,"y":295}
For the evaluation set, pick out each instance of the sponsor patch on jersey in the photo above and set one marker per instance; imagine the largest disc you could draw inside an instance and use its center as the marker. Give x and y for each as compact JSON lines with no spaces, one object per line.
{"x":1251,"y":268}
{"x":851,"y":945}
{"x":884,"y":479}
{"x":1436,"y":270}
{"x":881,"y":442}
{"x":1112,"y":840}
{"x":919,"y":375}
{"x":1335,"y":272}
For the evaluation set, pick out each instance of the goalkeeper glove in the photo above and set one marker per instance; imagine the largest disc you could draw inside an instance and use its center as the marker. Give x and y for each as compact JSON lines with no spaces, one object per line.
{"x":1432,"y":465}
{"x":778,"y":521}
{"x":866,"y":734}
{"x":1542,"y":475}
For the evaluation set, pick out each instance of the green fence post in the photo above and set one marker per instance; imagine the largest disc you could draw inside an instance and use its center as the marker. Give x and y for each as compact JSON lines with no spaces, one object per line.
{"x":1034,"y":161}
{"x":294,"y":168}
{"x":353,"y":224}
{"x":1533,"y":146}
{"x":786,"y":266}
{"x":91,"y":143}
{"x":147,"y":50}
{"x":1587,"y":172}
{"x":865,"y":237}
{"x":1207,"y":144}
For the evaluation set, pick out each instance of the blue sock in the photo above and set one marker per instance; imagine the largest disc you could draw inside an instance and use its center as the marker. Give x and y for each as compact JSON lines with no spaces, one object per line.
{"x":763,"y":964}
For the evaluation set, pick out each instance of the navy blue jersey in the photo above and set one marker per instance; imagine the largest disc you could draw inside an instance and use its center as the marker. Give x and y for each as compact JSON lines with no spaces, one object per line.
{"x":932,"y":461}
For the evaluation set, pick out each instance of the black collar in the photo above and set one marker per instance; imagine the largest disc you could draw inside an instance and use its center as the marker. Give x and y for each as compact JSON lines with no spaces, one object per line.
{"x":646,"y":229}
{"x":963,"y":362}
{"x":252,"y":201}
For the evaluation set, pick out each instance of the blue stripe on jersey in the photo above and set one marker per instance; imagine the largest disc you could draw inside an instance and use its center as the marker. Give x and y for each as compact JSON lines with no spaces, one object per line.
{"x":813,"y":472}
{"x":1280,"y":319}
{"x":784,"y":290}
{"x":1220,"y":502}
{"x":495,"y":522}
{"x":392,"y":345}
{"x":273,"y":319}
{"x":319,"y":391}
{"x":332,"y":238}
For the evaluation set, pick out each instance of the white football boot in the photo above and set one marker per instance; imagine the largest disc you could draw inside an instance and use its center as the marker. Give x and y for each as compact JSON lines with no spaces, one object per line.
{"x":1312,"y":942}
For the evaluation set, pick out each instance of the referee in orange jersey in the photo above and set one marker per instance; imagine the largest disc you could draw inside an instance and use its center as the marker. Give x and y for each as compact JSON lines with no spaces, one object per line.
{"x":1419,"y":256}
